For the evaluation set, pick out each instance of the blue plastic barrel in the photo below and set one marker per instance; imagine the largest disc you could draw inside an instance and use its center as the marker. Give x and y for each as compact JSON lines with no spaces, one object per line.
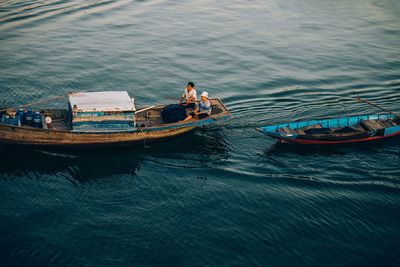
{"x":18,"y":117}
{"x":23,"y":118}
{"x":2,"y":117}
{"x":37,"y":120}
{"x":29,"y":117}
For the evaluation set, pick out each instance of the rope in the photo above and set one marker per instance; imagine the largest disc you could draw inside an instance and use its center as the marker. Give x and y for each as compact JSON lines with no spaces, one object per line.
{"x":35,"y":103}
{"x":359,"y":99}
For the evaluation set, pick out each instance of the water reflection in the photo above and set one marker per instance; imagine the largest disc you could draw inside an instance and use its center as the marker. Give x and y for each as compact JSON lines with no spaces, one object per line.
{"x":200,"y":149}
{"x":80,"y":165}
{"x":330,"y":150}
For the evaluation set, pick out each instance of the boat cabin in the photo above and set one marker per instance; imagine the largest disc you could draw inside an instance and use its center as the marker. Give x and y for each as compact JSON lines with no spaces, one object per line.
{"x":97,"y":111}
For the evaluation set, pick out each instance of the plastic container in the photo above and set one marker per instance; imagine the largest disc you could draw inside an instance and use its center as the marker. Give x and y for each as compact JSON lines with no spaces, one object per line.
{"x":29,"y":118}
{"x":18,"y":117}
{"x":37,"y":120}
{"x":23,"y":118}
{"x":2,"y":117}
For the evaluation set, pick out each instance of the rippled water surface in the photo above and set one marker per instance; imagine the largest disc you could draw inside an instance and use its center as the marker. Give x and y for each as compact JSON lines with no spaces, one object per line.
{"x":223,"y":195}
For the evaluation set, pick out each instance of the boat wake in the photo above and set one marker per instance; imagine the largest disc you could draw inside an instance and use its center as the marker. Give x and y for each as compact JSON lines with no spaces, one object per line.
{"x":57,"y":154}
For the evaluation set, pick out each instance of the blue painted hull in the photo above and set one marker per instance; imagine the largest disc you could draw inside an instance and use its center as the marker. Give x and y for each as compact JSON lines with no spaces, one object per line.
{"x":336,"y":130}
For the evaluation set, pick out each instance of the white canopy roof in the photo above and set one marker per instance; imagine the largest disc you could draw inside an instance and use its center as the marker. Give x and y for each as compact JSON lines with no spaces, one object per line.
{"x":101,"y":101}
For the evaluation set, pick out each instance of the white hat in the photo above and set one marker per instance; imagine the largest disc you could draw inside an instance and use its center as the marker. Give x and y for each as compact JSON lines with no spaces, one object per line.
{"x":204,"y":94}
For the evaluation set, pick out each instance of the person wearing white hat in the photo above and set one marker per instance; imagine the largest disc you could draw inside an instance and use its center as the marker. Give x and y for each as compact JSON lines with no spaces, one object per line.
{"x":203,"y":108}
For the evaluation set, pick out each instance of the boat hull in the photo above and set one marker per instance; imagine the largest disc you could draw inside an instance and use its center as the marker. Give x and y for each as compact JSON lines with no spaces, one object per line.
{"x":149,"y":126}
{"x":292,"y":133}
{"x":31,"y":136}
{"x":330,"y":142}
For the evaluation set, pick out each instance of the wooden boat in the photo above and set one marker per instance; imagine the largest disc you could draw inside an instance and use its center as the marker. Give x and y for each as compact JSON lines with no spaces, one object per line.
{"x":148,"y":125}
{"x":335,"y":131}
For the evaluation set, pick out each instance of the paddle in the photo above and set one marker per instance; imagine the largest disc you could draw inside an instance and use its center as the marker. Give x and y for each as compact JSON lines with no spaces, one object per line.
{"x":144,"y":109}
{"x":359,"y":99}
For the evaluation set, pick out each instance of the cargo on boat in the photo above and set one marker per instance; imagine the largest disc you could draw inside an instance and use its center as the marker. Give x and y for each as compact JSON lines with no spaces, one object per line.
{"x":99,"y":111}
{"x":335,"y":131}
{"x":94,"y":118}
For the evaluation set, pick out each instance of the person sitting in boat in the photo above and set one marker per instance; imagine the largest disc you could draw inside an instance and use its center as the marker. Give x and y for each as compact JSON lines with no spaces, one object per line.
{"x":203,"y":108}
{"x":189,"y":96}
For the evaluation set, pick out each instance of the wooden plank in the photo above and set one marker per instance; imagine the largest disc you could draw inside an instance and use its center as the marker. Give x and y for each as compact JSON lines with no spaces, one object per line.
{"x":300,"y":131}
{"x":376,"y":124}
{"x":285,"y":130}
{"x":381,"y":123}
{"x":387,"y":123}
{"x":370,"y":125}
{"x":294,"y":131}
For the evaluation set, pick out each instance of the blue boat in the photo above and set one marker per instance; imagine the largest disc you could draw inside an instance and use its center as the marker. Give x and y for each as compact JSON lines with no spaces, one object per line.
{"x":336,"y":130}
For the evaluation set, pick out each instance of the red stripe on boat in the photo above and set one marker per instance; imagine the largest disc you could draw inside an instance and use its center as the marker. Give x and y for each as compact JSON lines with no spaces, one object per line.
{"x":317,"y":142}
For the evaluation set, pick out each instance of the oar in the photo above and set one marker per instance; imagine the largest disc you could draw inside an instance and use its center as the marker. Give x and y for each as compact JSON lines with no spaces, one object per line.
{"x":359,"y":99}
{"x":144,"y":109}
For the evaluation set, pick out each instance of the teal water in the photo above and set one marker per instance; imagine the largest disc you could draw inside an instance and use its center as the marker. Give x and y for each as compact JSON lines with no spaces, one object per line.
{"x":223,"y":195}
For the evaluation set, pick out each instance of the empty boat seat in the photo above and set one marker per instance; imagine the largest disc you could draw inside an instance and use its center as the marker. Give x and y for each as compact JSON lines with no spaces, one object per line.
{"x":381,"y":123}
{"x":371,"y":125}
{"x":387,"y":123}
